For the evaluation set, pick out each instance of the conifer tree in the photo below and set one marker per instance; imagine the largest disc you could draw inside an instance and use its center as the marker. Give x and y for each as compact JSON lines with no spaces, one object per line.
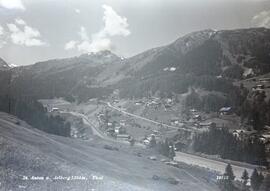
{"x":244,"y":179}
{"x":227,"y":181}
{"x":266,"y":183}
{"x":255,"y":180}
{"x":229,"y":172}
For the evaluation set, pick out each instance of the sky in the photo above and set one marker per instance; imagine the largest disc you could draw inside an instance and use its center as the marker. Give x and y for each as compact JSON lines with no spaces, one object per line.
{"x":38,"y":30}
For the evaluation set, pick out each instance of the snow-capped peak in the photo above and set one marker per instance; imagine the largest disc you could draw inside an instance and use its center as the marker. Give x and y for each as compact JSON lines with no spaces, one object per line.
{"x":12,"y":65}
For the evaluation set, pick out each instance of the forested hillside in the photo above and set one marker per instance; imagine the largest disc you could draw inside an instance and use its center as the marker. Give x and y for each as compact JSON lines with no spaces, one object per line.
{"x":31,"y":111}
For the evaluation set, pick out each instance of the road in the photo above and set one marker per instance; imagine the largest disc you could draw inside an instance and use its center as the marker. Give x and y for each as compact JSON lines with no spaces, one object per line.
{"x":211,"y":164}
{"x":96,"y":131}
{"x":143,"y":118}
{"x":122,"y":170}
{"x":180,"y":156}
{"x":193,"y":159}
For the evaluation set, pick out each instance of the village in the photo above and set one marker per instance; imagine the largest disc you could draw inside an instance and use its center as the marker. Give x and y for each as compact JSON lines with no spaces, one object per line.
{"x":151,"y":122}
{"x":141,"y":120}
{"x":155,"y":118}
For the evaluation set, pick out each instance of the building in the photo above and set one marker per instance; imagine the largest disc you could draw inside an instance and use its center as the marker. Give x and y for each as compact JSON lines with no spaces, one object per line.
{"x":174,"y":121}
{"x":239,"y":134}
{"x":260,"y":86}
{"x":123,"y":137}
{"x":207,"y":124}
{"x":264,"y":138}
{"x":146,"y":142}
{"x":264,"y":80}
{"x":122,"y":122}
{"x":139,"y":103}
{"x":225,"y":111}
{"x":193,"y":110}
{"x":168,"y":101}
{"x":197,"y":117}
{"x":54,"y":109}
{"x":119,"y":130}
{"x":110,"y":130}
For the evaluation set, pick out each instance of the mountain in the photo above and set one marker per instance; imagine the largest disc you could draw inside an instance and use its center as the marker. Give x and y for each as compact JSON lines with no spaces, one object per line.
{"x":221,"y":50}
{"x":76,"y":76}
{"x":3,"y":65}
{"x":207,"y":59}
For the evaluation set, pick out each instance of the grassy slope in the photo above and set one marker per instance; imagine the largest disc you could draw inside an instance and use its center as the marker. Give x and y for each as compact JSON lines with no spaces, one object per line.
{"x":26,"y":151}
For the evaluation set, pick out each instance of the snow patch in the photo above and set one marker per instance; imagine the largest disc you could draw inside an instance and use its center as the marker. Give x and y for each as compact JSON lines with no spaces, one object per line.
{"x":12,"y":65}
{"x":172,"y":69}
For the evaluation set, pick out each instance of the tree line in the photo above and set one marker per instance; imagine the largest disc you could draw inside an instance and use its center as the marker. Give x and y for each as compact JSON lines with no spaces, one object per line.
{"x":33,"y":112}
{"x":219,"y":141}
{"x":166,"y":148}
{"x":256,"y":110}
{"x":257,"y":181}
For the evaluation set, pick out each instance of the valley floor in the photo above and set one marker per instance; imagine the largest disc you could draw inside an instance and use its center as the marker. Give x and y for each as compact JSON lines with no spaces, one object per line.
{"x":27,"y":152}
{"x":88,"y":114}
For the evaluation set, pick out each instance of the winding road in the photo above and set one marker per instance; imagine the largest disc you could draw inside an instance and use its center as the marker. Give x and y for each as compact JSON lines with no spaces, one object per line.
{"x":211,"y":164}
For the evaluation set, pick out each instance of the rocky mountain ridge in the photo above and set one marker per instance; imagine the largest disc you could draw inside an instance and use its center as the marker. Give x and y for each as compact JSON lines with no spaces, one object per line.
{"x":220,"y":56}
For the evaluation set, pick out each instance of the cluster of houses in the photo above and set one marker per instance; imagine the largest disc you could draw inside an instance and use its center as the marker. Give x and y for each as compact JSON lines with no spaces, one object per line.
{"x":261,"y":85}
{"x":54,"y":109}
{"x":196,"y":118}
{"x":264,"y":138}
{"x":118,"y":130}
{"x":258,"y":87}
{"x":264,"y":80}
{"x":147,"y":140}
{"x":114,"y":129}
{"x":175,"y":121}
{"x":156,"y":102}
